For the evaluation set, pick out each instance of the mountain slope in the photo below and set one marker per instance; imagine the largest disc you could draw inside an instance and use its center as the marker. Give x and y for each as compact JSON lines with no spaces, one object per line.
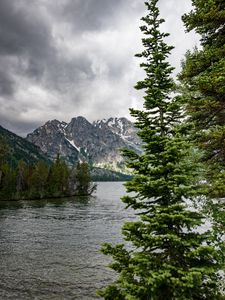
{"x":99,"y":142}
{"x":51,"y":139}
{"x":20,"y":148}
{"x":124,"y":129}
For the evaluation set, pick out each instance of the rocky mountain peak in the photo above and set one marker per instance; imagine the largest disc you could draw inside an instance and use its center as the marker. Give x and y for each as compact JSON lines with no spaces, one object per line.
{"x":79,"y":122}
{"x":123,"y":128}
{"x":53,"y":126}
{"x":99,"y":142}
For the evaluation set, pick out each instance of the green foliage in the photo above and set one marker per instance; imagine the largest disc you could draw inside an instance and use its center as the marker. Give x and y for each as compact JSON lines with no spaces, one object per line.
{"x":203,"y":89}
{"x":22,"y":177}
{"x":167,"y":256}
{"x":100,"y":174}
{"x":83,"y":179}
{"x":58,"y":178}
{"x":38,"y":180}
{"x":207,"y":18}
{"x":41,"y":181}
{"x":8,"y":182}
{"x":3,"y":158}
{"x":4,"y":150}
{"x":19,"y":148}
{"x":203,"y":86}
{"x":25,"y":173}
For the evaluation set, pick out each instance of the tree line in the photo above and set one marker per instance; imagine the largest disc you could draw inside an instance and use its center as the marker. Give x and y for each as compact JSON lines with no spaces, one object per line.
{"x":40,"y":180}
{"x":179,"y":180}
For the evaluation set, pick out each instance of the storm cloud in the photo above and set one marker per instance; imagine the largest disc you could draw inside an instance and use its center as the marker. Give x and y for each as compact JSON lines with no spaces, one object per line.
{"x":64,"y":58}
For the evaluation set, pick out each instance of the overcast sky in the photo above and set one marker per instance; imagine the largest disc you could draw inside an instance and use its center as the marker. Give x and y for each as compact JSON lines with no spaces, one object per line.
{"x":64,"y":58}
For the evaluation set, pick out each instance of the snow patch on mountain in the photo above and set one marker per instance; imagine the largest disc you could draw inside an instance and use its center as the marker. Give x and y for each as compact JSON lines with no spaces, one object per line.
{"x":99,"y":142}
{"x":72,"y":143}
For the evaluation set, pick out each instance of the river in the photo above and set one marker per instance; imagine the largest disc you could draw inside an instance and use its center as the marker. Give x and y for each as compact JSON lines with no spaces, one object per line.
{"x":50,"y":249}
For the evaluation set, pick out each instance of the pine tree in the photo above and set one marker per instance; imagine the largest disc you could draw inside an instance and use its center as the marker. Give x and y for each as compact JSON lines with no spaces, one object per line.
{"x":166,"y":257}
{"x":22,"y":178}
{"x":8,"y":183}
{"x":203,"y":84}
{"x":84,"y":186}
{"x":4,"y":151}
{"x":38,"y":180}
{"x":58,"y":178}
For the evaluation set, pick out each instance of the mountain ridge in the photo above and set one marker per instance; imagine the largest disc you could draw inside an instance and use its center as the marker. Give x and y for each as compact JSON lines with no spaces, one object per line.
{"x":21,"y":149}
{"x":99,"y":142}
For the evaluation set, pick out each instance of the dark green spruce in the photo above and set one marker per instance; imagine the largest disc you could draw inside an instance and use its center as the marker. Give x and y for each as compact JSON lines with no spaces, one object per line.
{"x":165,"y":256}
{"x":39,"y":180}
{"x":203,"y":90}
{"x":203,"y":84}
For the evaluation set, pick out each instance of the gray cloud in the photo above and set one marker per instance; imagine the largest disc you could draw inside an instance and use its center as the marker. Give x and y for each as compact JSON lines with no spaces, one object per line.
{"x":6,"y":84}
{"x":21,"y":29}
{"x":90,"y":15}
{"x":63,"y":58}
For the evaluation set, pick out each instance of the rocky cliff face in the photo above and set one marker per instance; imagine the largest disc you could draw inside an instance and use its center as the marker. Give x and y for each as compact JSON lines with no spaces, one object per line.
{"x":51,"y":138}
{"x":122,"y":127}
{"x":98,"y":142}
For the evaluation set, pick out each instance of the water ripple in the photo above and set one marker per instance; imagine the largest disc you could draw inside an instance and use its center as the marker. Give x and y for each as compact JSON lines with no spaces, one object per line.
{"x":50,"y":249}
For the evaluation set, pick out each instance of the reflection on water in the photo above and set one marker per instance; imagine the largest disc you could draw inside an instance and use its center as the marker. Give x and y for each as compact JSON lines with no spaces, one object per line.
{"x":15,"y":204}
{"x":49,"y":249}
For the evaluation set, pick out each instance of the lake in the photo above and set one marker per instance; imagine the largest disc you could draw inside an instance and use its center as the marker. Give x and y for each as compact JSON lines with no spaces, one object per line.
{"x":50,"y":249}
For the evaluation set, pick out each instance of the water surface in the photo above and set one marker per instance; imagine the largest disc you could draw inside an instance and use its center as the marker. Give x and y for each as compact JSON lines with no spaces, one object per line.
{"x":49,"y":249}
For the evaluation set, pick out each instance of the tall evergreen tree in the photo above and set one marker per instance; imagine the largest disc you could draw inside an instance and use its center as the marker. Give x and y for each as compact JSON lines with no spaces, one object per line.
{"x":38,"y":180}
{"x":166,"y":257}
{"x":203,"y":84}
{"x":22,"y":178}
{"x":4,"y":151}
{"x":84,"y":186}
{"x":8,"y":183}
{"x":58,"y":178}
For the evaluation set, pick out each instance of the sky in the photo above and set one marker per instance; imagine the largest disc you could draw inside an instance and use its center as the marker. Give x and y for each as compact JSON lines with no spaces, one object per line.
{"x":63,"y":58}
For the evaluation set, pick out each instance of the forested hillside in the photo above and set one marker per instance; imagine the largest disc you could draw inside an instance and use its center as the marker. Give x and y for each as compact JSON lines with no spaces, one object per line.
{"x":26,"y":173}
{"x":17,"y":148}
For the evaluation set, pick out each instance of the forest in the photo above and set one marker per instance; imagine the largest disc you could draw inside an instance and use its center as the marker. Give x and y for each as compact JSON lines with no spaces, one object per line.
{"x":42,"y":180}
{"x":179,"y":181}
{"x":174,"y":247}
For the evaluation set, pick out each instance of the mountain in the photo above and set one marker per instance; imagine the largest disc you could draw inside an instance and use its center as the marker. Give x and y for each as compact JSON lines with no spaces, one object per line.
{"x":21,"y":149}
{"x":122,"y":127}
{"x":51,"y":139}
{"x":99,"y":142}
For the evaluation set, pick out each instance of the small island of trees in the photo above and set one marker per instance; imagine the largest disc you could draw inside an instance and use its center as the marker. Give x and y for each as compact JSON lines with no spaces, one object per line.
{"x":41,"y":180}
